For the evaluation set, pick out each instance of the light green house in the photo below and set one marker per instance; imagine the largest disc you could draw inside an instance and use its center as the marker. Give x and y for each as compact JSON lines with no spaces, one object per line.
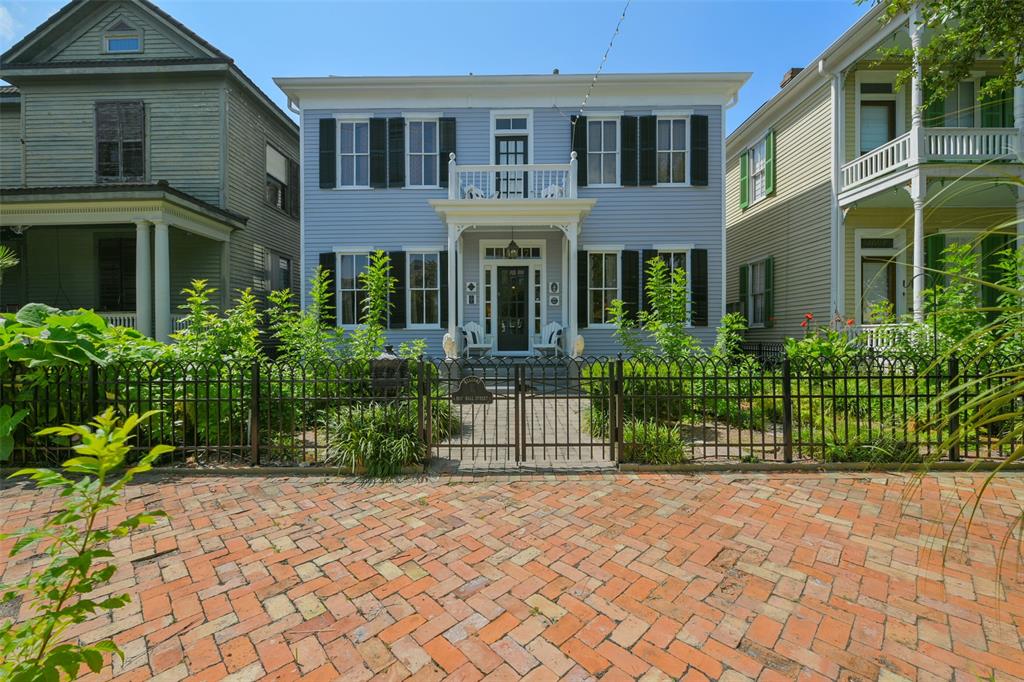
{"x":134,"y":158}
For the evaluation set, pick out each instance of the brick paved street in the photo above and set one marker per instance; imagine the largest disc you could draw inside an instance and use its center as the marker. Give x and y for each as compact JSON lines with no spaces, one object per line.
{"x":724,"y":577}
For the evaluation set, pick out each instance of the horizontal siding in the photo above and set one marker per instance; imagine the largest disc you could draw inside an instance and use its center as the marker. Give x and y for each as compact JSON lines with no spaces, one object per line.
{"x":10,"y":145}
{"x":630,"y":217}
{"x":85,"y":42}
{"x":250,"y":128}
{"x":62,"y":267}
{"x":793,"y":225}
{"x":182,"y":131}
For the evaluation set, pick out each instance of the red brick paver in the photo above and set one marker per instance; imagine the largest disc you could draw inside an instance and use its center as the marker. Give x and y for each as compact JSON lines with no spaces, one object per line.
{"x":726,"y":577}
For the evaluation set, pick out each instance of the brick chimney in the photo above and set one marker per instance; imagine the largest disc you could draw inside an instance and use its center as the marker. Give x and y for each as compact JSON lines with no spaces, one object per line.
{"x":790,"y":75}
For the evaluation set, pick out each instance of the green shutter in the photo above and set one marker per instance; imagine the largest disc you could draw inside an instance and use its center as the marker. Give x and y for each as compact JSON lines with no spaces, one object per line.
{"x":934,"y":111}
{"x":769,"y":163}
{"x":769,"y":292}
{"x":744,"y":181}
{"x":934,"y":245}
{"x":991,"y":246}
{"x":744,"y":290}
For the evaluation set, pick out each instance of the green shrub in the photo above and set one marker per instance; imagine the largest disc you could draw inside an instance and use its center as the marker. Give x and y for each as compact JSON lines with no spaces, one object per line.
{"x":874,"y":446}
{"x":646,"y":442}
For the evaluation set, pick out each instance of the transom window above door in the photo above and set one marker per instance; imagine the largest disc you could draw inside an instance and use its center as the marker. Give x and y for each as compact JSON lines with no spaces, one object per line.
{"x":603,"y":152}
{"x":510,"y":123}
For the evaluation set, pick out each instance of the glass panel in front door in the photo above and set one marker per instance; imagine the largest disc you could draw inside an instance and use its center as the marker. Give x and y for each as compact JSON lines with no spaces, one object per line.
{"x":878,"y":284}
{"x":513,"y":311}
{"x":510,"y":150}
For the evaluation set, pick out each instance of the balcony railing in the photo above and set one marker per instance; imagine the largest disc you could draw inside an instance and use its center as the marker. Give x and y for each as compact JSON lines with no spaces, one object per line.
{"x":128,"y":318}
{"x":524,"y":181}
{"x":935,"y":144}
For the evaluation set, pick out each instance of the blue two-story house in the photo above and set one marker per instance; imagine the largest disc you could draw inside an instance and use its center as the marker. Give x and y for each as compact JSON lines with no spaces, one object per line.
{"x":505,"y":207}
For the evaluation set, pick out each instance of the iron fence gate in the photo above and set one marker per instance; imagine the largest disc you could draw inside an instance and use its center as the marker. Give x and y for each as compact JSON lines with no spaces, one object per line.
{"x":540,"y":412}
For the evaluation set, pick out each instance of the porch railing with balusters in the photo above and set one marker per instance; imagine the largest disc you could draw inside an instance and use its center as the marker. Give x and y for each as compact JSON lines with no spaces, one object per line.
{"x":524,"y":181}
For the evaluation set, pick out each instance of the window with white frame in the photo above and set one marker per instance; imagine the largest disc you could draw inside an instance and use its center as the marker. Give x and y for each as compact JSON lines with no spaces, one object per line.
{"x":603,"y":151}
{"x":676,"y":260}
{"x":756,"y":288}
{"x":350,"y":289}
{"x":422,"y":154}
{"x":756,"y":158}
{"x":424,"y":289}
{"x":672,"y":146}
{"x":354,"y":153}
{"x":509,"y":124}
{"x":602,"y":284}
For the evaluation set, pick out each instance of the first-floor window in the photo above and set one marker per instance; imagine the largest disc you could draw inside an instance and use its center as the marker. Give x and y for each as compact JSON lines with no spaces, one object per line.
{"x":424,"y":289}
{"x":351,"y":291}
{"x":676,"y":260}
{"x":603,"y":285}
{"x":757,"y":289}
{"x":281,"y":272}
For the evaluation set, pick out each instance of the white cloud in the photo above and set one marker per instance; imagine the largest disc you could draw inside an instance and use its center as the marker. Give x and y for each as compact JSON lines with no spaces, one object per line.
{"x":8,"y":27}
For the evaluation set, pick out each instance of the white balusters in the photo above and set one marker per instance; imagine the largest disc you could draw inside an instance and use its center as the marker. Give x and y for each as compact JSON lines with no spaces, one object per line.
{"x":524,"y":181}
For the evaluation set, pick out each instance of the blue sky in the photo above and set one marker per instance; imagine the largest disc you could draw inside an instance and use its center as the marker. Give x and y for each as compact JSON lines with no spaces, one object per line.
{"x":270,"y":38}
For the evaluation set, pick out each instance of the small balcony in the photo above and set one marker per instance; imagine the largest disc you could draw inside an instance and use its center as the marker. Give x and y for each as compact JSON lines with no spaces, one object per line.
{"x":488,"y":182}
{"x":964,"y":145}
{"x":128,"y":318}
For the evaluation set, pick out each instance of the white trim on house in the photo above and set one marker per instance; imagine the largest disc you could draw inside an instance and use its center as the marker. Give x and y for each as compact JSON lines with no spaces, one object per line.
{"x":602,"y":118}
{"x":899,"y":237}
{"x":749,"y":303}
{"x":896,"y":96}
{"x":409,"y":253}
{"x":423,"y":118}
{"x":593,"y":251}
{"x":687,"y":150}
{"x":338,"y":153}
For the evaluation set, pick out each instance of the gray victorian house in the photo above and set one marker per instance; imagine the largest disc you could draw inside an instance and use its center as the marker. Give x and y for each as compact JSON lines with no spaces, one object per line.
{"x":136,"y":157}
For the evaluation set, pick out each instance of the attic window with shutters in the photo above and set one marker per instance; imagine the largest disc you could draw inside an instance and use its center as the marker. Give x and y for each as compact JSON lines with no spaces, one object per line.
{"x":122,"y":38}
{"x":120,"y":141}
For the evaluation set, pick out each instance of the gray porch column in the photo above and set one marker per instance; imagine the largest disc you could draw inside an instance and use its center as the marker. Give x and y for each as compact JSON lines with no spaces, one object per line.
{"x":162,"y":282}
{"x":143,"y":279}
{"x":453,"y":287}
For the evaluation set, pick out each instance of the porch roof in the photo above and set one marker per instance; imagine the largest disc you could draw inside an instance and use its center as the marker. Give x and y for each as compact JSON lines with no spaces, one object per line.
{"x":122,"y":203}
{"x":528,"y":212}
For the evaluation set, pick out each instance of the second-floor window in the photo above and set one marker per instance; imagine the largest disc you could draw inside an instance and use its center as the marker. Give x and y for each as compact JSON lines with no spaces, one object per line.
{"x":603,"y":152}
{"x":120,"y":141}
{"x":672,"y":144}
{"x":282,"y":182}
{"x":757,"y":160}
{"x":355,"y":153}
{"x":422,"y":155}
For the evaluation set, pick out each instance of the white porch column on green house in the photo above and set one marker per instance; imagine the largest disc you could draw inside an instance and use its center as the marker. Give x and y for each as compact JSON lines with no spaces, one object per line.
{"x":453,"y":288}
{"x":917,"y":191}
{"x":143,"y":279}
{"x":571,"y":292}
{"x":161,"y":282}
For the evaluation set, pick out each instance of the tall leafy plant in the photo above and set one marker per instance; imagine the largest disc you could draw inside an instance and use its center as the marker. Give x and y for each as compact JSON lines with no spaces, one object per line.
{"x":368,"y":339}
{"x":304,"y":336}
{"x":77,"y":546}
{"x":666,"y":318}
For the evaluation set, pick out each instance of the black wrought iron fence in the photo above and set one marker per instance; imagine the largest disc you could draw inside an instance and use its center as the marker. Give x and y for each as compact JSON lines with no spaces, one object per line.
{"x":511,"y":412}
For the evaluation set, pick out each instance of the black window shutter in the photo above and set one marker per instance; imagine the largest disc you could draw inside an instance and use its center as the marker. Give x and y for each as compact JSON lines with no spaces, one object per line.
{"x":582,"y":265}
{"x":293,"y":189}
{"x":699,"y":151}
{"x":446,"y":145}
{"x":328,"y":263}
{"x":578,"y":134}
{"x":628,"y":160}
{"x":328,"y":153}
{"x":631,"y":283}
{"x":397,"y":319}
{"x":396,"y":152}
{"x":648,"y":150}
{"x":442,"y":273}
{"x":699,"y":287}
{"x":648,"y":254}
{"x":378,"y":152}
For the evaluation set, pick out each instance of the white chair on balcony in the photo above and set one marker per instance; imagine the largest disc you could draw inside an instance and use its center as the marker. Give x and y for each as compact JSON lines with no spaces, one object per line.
{"x":473,"y":192}
{"x":550,"y":340}
{"x":473,"y":340}
{"x":552,"y":191}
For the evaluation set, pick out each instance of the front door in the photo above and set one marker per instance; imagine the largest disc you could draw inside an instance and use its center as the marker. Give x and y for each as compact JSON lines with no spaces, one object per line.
{"x":510,"y":150}
{"x":878,"y":281}
{"x":513,"y":311}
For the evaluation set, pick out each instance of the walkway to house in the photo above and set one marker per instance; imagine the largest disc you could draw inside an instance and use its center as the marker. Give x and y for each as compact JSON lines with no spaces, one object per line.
{"x":726,"y":577}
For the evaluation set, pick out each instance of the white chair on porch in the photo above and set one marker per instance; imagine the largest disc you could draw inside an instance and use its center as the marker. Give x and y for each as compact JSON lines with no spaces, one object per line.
{"x":473,"y":340}
{"x":550,"y":340}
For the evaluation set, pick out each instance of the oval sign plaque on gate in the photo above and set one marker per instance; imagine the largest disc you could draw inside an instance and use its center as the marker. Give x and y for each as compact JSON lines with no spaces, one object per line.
{"x":471,"y":391}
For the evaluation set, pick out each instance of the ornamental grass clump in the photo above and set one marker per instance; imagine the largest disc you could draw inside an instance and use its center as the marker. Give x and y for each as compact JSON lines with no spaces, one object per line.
{"x":75,"y":539}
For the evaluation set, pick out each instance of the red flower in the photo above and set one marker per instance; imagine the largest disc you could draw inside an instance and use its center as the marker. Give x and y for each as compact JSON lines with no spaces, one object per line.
{"x":804,"y":323}
{"x":809,"y":316}
{"x":849,"y":322}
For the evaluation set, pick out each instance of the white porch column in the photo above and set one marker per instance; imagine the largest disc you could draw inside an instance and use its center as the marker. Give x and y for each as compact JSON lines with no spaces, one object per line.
{"x":143,"y":279}
{"x":161,"y":282}
{"x":916,"y":91}
{"x":571,"y":293}
{"x":453,"y":289}
{"x":225,"y":275}
{"x":917,"y":195}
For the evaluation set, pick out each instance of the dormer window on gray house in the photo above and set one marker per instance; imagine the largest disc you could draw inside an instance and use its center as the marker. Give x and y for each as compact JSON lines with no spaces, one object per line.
{"x":122,"y":38}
